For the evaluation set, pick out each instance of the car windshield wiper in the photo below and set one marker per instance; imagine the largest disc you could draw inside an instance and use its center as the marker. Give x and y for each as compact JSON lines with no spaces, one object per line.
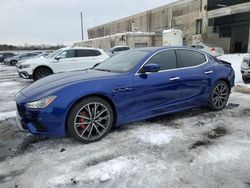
{"x":107,"y":70}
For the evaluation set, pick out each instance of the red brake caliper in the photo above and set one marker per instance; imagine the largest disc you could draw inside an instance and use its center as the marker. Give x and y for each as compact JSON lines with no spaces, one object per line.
{"x":81,"y":120}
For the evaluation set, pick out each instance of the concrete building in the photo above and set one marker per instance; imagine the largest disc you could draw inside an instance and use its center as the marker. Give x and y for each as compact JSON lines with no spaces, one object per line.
{"x":225,"y":23}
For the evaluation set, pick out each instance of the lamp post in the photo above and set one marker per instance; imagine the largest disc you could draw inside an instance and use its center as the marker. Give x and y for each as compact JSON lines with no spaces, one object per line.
{"x":82,"y":26}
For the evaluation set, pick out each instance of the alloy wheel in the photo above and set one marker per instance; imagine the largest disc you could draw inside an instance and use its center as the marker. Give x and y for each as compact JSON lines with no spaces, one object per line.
{"x":220,"y":95}
{"x":92,"y":121}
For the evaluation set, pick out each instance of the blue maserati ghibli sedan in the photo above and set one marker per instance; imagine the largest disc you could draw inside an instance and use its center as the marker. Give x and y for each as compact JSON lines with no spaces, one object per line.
{"x":131,"y":86}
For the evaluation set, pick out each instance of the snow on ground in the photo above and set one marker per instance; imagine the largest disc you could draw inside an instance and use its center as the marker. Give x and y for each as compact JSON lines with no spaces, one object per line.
{"x":177,"y":150}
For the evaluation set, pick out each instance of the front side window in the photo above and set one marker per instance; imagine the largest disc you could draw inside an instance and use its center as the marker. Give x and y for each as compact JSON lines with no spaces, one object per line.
{"x":191,"y":58}
{"x":166,"y":60}
{"x":67,"y":54}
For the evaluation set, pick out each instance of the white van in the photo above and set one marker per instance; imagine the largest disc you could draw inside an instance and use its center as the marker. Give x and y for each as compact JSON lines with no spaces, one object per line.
{"x":172,"y":37}
{"x":62,"y":60}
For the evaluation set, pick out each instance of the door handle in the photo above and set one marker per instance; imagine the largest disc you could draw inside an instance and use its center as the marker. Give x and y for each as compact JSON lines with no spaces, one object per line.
{"x":174,"y":78}
{"x":209,"y":72}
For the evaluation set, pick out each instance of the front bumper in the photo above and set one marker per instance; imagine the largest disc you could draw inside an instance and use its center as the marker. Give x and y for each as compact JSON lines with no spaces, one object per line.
{"x":25,"y":75}
{"x":49,"y":121}
{"x":19,"y":123}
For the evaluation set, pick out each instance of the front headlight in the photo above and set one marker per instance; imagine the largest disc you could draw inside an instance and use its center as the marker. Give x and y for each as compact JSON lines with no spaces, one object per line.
{"x":42,"y":103}
{"x":24,"y":66}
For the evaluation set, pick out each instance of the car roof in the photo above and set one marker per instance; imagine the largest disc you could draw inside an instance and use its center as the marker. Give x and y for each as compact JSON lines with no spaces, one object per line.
{"x":154,"y":49}
{"x":83,"y":48}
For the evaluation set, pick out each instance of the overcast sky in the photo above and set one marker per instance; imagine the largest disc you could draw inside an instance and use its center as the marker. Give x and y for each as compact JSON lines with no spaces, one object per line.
{"x":58,"y":21}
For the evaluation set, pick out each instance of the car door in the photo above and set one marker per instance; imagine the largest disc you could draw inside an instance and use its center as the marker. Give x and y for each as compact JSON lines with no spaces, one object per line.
{"x":65,"y":61}
{"x":87,"y":58}
{"x":156,"y":93}
{"x":197,"y":76}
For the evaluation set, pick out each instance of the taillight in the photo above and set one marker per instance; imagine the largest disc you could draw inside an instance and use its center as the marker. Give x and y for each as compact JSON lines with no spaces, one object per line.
{"x":212,"y":49}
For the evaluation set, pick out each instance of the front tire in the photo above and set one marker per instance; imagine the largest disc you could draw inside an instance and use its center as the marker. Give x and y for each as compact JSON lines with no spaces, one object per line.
{"x":219,"y":96}
{"x":246,"y":80}
{"x":90,"y":120}
{"x":13,"y":63}
{"x":41,"y":73}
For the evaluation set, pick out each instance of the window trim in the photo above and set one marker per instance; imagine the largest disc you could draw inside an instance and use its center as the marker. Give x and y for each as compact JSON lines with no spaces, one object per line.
{"x":178,"y":58}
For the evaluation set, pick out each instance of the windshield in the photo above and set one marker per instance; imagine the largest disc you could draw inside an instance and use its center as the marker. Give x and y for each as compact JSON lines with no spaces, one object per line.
{"x":122,"y":62}
{"x":54,"y":53}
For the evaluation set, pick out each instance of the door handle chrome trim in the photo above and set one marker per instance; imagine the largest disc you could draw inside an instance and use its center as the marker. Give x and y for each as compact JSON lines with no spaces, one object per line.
{"x":174,"y":78}
{"x":208,"y":72}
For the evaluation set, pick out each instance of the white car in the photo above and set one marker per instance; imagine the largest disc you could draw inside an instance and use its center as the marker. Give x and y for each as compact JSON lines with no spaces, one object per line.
{"x":245,"y":69}
{"x":62,"y":60}
{"x":210,"y":49}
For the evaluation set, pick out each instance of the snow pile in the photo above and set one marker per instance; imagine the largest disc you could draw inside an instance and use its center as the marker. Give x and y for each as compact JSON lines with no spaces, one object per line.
{"x":235,"y":60}
{"x":159,"y":136}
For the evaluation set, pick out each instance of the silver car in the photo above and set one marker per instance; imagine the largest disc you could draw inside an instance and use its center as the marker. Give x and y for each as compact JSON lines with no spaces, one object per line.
{"x":12,"y":61}
{"x":245,"y":69}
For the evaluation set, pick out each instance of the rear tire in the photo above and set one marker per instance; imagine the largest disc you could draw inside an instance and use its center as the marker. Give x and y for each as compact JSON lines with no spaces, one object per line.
{"x":90,"y":120}
{"x":219,"y":96}
{"x":41,"y":73}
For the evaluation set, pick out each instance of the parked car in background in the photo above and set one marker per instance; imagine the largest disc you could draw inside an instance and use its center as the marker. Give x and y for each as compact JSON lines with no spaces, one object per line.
{"x":245,"y":69}
{"x":209,"y":48}
{"x":130,"y":86}
{"x":118,"y":49}
{"x":12,"y":61}
{"x":4,"y":55}
{"x":42,"y":55}
{"x":62,"y":60}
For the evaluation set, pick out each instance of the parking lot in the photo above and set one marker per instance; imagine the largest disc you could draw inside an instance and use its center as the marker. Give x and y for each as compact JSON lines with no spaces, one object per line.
{"x":197,"y":148}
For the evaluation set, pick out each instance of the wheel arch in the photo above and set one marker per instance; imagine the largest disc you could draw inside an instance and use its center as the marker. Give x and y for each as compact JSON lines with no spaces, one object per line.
{"x":102,"y":96}
{"x":42,"y":66}
{"x":225,"y":80}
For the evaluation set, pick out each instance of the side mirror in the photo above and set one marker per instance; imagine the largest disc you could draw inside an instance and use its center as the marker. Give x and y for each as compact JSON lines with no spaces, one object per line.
{"x":151,"y":68}
{"x":58,"y":58}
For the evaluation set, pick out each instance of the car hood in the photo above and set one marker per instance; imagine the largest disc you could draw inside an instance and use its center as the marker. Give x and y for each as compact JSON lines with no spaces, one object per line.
{"x":53,"y":83}
{"x":36,"y":60}
{"x":247,"y":57}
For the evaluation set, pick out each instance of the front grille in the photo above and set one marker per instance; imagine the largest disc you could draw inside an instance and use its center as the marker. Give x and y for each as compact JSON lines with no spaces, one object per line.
{"x":20,"y":110}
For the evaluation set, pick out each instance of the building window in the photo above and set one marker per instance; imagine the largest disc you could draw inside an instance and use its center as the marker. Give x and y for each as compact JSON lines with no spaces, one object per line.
{"x":141,"y":45}
{"x":199,"y":26}
{"x":200,"y":5}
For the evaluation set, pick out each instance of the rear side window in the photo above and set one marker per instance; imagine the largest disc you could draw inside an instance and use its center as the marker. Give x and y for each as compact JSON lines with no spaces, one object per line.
{"x":87,"y":53}
{"x":191,"y":58}
{"x":166,"y":60}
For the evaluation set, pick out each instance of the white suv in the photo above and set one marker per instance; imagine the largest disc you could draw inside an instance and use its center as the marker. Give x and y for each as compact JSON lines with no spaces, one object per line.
{"x":62,"y":60}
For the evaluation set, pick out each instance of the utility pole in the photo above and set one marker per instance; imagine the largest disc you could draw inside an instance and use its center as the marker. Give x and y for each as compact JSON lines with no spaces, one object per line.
{"x":82,"y":26}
